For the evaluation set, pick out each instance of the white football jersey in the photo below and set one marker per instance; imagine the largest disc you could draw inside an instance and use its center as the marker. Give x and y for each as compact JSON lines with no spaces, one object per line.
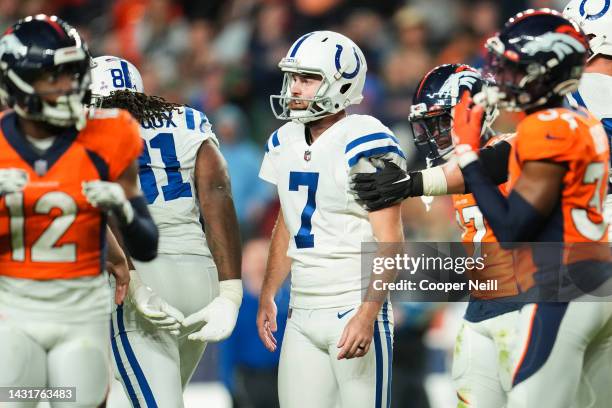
{"x":326,"y":225}
{"x":166,"y":178}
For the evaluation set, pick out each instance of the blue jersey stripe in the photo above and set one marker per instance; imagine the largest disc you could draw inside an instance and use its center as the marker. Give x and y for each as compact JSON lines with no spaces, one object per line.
{"x":379,"y":365}
{"x":121,"y":369}
{"x":579,"y":99}
{"x":203,"y":121}
{"x":275,"y":141}
{"x":375,"y":152}
{"x":298,"y":44}
{"x":189,"y":118}
{"x":129,"y":353}
{"x":369,"y":138}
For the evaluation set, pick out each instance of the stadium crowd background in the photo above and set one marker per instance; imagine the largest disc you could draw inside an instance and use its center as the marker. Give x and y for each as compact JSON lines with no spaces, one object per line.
{"x":220,"y":56}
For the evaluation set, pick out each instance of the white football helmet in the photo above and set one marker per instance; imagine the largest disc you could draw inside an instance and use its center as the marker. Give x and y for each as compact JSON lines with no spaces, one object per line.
{"x":339,"y":62}
{"x":594,"y":18}
{"x":110,"y":73}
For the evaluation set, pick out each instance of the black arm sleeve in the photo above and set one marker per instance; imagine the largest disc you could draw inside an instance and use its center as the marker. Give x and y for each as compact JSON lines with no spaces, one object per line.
{"x":494,"y":160}
{"x":140,"y":236}
{"x":512,"y":219}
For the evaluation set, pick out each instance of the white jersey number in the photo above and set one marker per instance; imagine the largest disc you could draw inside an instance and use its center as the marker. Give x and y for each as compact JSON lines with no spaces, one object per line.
{"x":594,"y":174}
{"x":472,"y":213}
{"x":44,"y":248}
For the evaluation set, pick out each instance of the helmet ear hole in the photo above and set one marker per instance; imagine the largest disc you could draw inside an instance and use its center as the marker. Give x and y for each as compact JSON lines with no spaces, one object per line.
{"x":344,"y":88}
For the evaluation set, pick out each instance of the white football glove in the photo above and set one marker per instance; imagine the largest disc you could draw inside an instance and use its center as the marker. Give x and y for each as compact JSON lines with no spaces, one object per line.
{"x":12,"y":180}
{"x":152,"y":307}
{"x":109,"y":197}
{"x":219,"y":316}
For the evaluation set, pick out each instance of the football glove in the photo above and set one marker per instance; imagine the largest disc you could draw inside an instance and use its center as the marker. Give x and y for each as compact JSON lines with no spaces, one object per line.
{"x":219,"y":316}
{"x":109,"y":197}
{"x":152,"y":307}
{"x":387,"y":187}
{"x":467,"y":126}
{"x":12,"y":180}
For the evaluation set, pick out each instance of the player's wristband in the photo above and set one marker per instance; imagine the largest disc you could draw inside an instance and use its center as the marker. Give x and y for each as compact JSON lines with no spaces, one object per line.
{"x":231,"y":289}
{"x":465,"y":155}
{"x":434,"y":182}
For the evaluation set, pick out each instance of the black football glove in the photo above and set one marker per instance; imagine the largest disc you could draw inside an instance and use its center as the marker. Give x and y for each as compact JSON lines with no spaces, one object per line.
{"x":387,"y":187}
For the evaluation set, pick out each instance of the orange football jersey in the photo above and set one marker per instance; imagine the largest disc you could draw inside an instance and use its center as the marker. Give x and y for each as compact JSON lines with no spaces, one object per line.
{"x":476,"y":231}
{"x":49,"y":230}
{"x":576,"y":140}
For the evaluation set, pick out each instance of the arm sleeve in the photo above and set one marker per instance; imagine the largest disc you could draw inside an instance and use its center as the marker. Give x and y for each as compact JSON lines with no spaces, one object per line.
{"x":267,"y":171}
{"x":362,"y":152}
{"x":512,"y":219}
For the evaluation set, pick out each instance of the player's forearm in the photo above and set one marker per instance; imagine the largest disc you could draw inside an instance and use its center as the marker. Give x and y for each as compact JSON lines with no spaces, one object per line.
{"x":222,"y":233}
{"x":512,"y":219}
{"x":388,"y":230}
{"x":217,"y":207}
{"x":115,"y":254}
{"x":279,"y":264}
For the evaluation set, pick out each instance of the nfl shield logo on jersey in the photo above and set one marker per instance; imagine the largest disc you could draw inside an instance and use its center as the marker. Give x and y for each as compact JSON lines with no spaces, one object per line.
{"x":307,"y":155}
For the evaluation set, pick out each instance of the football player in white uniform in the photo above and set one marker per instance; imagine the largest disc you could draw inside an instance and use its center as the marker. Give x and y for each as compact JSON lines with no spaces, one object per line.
{"x":320,"y":230}
{"x":595,"y":90}
{"x":184,"y":179}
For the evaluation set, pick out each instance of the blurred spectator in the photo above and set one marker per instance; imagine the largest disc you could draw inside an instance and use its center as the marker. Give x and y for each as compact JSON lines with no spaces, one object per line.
{"x":410,"y":359}
{"x":247,"y":368}
{"x":251,"y":195}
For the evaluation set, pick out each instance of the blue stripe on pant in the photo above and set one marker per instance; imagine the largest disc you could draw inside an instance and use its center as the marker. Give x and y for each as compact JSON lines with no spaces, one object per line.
{"x":389,"y":353}
{"x":133,"y":362}
{"x":380,"y":360}
{"x":121,"y":369}
{"x":543,"y":333}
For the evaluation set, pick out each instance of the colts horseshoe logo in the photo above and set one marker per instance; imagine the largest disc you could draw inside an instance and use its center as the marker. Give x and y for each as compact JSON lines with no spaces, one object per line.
{"x":347,"y":75}
{"x":596,"y":16}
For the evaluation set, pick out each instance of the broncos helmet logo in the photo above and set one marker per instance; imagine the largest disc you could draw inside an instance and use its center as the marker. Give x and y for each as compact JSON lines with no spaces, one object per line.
{"x":561,"y":44}
{"x":454,"y":83}
{"x":10,"y":44}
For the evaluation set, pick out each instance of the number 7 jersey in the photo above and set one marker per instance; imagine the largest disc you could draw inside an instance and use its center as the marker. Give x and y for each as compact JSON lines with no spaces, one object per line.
{"x":166,"y":175}
{"x":326,"y":226}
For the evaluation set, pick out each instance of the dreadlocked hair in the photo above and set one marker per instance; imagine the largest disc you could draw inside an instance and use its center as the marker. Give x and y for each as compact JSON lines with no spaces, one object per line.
{"x":144,"y":108}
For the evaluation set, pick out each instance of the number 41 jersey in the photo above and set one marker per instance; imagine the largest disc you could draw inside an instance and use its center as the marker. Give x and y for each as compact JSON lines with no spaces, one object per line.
{"x":166,"y":177}
{"x":326,"y":226}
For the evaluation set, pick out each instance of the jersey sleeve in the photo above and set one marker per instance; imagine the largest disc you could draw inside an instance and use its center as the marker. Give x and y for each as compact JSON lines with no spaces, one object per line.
{"x":128,"y":146}
{"x":368,"y":144}
{"x":548,"y":136}
{"x":268,"y":172}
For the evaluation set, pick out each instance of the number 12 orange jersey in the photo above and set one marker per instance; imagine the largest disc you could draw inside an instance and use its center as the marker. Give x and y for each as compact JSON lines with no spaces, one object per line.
{"x":49,"y":230}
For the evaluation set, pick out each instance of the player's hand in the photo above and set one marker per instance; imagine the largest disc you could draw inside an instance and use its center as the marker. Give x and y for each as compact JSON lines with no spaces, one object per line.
{"x":121,"y":272}
{"x":384,"y":188}
{"x":12,"y":180}
{"x":219,"y":316}
{"x":266,"y":322}
{"x":356,"y":337}
{"x":153,"y":308}
{"x":467,"y":125}
{"x":108,"y":197}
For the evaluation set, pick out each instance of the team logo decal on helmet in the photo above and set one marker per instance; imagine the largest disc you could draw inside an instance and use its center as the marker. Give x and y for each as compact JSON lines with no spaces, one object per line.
{"x":539,"y":55}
